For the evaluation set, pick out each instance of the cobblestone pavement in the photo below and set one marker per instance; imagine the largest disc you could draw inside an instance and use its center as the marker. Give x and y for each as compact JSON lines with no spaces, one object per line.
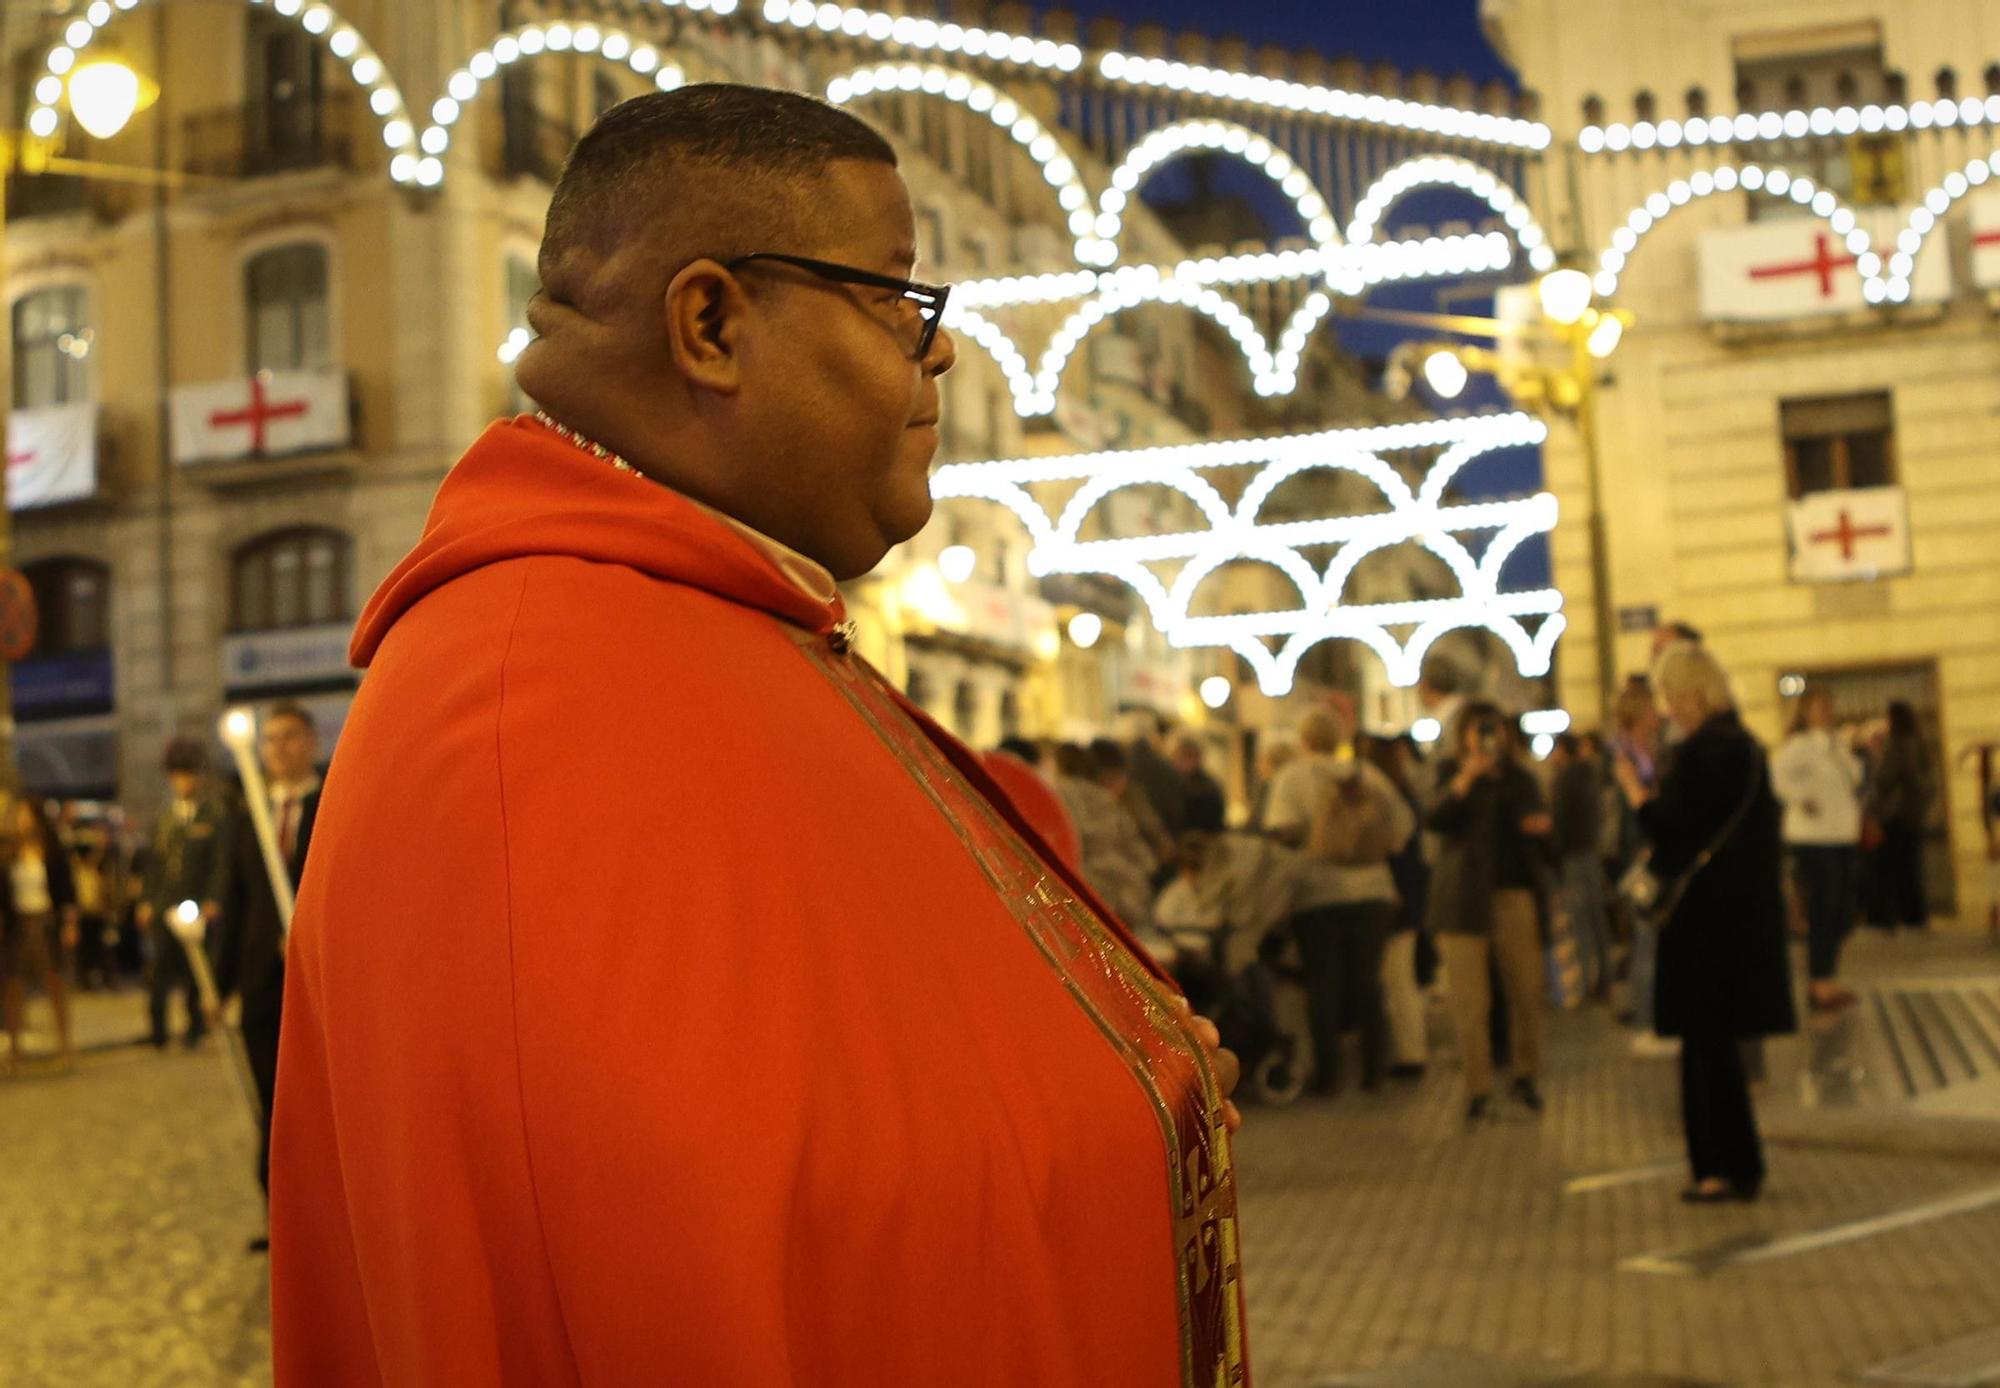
{"x":127,"y":1192}
{"x":1384,"y":1243}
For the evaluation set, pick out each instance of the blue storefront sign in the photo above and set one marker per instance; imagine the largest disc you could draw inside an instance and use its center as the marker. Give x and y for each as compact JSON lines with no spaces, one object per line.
{"x":60,"y":686}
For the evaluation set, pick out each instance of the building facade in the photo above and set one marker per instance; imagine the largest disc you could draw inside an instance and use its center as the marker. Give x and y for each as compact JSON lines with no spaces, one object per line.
{"x":252,"y":331}
{"x":1798,"y":434}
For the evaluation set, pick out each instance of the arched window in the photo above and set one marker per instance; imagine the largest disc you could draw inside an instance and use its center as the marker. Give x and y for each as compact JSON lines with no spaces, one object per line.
{"x":285,"y":289}
{"x":73,"y":597}
{"x":292,"y":578}
{"x":965,"y":710}
{"x":51,"y":348}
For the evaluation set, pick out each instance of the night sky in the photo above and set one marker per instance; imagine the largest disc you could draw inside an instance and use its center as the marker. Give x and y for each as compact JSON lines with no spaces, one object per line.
{"x":1441,"y":36}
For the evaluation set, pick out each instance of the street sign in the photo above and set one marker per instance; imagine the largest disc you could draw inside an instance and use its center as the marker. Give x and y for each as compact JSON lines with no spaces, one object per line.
{"x":17,"y":616}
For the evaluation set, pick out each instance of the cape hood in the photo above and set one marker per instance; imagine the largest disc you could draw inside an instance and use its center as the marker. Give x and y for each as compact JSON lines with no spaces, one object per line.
{"x":523,"y":490}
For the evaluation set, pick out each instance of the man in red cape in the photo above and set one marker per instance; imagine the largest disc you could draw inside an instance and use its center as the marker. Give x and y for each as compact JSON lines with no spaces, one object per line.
{"x":670,"y":1002}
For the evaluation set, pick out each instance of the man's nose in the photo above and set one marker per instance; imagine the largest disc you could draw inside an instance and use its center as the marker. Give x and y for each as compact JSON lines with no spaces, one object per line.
{"x":943,"y":354}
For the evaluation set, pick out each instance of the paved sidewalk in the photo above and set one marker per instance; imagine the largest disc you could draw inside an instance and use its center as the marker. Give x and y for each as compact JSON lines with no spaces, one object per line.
{"x":1380,"y":1234}
{"x":1384,"y":1243}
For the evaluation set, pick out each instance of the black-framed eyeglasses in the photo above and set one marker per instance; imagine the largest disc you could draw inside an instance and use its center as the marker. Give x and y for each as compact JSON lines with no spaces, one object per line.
{"x":926,"y":300}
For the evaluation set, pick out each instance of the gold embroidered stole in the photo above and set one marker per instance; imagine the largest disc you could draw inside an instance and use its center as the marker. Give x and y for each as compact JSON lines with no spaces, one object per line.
{"x":1127,"y":1004}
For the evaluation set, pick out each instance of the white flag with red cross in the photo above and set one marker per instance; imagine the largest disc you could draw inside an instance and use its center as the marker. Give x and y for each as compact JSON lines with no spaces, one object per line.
{"x":1983,"y":210}
{"x":1861,"y":533}
{"x":270,"y":414}
{"x":51,"y":455}
{"x":1798,"y":267}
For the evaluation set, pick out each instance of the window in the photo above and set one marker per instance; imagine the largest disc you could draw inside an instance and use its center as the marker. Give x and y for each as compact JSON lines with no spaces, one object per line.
{"x":292,"y":578}
{"x":965,"y":711}
{"x":604,"y":93}
{"x":1838,"y":442}
{"x":74,"y":599}
{"x":285,"y":288}
{"x":51,"y":348}
{"x":285,"y":119}
{"x":1836,"y":67}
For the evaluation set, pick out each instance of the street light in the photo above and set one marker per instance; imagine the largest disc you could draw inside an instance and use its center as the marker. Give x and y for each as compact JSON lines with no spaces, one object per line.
{"x":1445,"y":373}
{"x":1605,"y":337}
{"x":1215,"y":691}
{"x":957,"y":562}
{"x":103,"y":95}
{"x":1084,"y":629}
{"x":1565,"y":296}
{"x":1566,"y":386}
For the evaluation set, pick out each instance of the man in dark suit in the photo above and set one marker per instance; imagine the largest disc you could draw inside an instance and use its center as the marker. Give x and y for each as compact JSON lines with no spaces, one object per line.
{"x":183,"y":865}
{"x":249,"y":947}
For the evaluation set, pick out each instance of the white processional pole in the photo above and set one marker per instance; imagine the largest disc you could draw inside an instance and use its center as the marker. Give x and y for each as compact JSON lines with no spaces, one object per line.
{"x":239,"y":732}
{"x":186,"y":923}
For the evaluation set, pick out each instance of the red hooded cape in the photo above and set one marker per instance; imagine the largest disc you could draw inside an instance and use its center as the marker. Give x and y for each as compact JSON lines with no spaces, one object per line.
{"x":671,"y":1003}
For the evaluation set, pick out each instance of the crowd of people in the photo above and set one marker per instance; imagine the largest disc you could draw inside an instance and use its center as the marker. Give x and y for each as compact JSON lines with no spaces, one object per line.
{"x":1659,"y":866}
{"x":89,"y":903}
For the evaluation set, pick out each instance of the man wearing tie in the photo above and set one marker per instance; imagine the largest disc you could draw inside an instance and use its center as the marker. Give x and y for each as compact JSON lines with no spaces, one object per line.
{"x":250,"y":946}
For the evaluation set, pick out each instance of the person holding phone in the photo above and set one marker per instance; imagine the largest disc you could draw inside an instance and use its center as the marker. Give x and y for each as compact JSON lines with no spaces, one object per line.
{"x":1488,"y":896}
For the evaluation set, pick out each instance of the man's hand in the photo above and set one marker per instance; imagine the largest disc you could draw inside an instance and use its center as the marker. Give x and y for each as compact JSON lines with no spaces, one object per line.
{"x":1228,"y":1070}
{"x":1539,"y":824}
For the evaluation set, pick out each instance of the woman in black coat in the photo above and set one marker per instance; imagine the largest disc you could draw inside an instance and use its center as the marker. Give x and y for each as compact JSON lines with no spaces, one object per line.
{"x":1724,"y":974}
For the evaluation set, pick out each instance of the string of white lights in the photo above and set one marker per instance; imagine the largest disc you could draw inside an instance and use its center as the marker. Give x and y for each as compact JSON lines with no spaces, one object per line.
{"x":1237,"y":535}
{"x":1351,"y":269}
{"x":531,"y":40}
{"x":1820,"y":122}
{"x":1468,"y":177}
{"x":364,"y":67}
{"x":926,"y":34}
{"x":1486,"y":432}
{"x":1752,"y":178}
{"x":1170,"y":141}
{"x":1359,"y":108}
{"x":984,"y":99}
{"x":1924,"y":219}
{"x":1122,"y":295}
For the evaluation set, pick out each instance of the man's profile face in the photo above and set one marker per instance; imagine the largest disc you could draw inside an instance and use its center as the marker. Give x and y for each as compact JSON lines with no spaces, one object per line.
{"x":848,"y":419}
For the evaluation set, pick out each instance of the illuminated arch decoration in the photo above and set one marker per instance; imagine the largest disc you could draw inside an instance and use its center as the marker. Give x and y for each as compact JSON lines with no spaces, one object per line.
{"x":926,"y":34}
{"x":1439,"y":171}
{"x":1924,"y":219}
{"x":1821,"y":121}
{"x":1103,"y":295}
{"x":407,"y":163}
{"x":1170,"y":141}
{"x":1120,"y":296}
{"x":1707,"y":182}
{"x":609,"y":43}
{"x":1360,"y":108}
{"x":1237,"y":534}
{"x":982,"y":98}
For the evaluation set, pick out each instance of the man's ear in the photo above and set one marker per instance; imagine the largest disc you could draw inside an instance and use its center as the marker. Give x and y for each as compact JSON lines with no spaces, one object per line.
{"x":705,"y":312}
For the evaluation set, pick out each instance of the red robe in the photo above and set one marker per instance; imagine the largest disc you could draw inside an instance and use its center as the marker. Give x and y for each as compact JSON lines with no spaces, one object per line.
{"x":669,"y":1002}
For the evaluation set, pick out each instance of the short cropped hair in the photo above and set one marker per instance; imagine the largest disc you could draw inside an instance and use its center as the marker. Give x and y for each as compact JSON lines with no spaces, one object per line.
{"x":714,"y":154}
{"x":291,"y":708}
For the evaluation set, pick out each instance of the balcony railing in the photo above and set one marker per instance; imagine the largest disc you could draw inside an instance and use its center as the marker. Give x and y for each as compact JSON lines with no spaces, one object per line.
{"x":532,"y":144}
{"x":271,"y":137}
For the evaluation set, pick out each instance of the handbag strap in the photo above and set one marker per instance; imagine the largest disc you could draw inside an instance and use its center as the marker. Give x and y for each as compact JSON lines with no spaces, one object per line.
{"x":1714,"y":846}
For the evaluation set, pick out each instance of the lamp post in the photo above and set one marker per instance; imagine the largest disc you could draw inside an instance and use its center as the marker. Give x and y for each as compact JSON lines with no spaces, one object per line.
{"x":1567,"y":387}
